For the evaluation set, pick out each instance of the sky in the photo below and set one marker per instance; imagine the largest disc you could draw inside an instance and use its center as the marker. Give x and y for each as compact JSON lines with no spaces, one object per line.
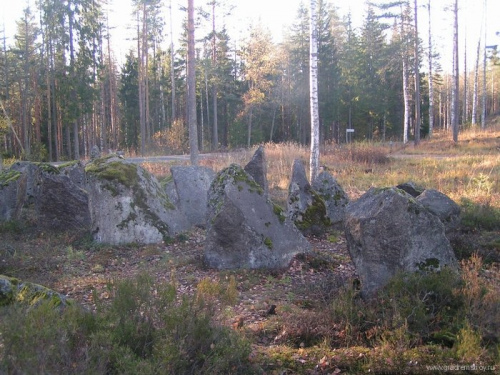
{"x":277,"y":15}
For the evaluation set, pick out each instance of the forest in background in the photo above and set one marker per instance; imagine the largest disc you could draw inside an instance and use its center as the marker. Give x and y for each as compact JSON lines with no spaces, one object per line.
{"x":62,"y":90}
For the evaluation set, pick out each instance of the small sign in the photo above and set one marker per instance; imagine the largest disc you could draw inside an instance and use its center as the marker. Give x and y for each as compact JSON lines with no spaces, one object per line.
{"x":349,"y":130}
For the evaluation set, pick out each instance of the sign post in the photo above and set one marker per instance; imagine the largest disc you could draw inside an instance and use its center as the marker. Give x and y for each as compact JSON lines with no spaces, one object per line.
{"x":348,"y":135}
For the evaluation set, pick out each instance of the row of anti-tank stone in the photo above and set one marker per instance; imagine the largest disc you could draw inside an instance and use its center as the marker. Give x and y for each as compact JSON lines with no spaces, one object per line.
{"x":387,"y":229}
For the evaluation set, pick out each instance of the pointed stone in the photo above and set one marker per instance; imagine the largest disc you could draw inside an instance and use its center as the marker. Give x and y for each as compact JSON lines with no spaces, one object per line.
{"x":305,"y":207}
{"x":257,"y":168}
{"x":244,"y":229}
{"x":334,"y":196}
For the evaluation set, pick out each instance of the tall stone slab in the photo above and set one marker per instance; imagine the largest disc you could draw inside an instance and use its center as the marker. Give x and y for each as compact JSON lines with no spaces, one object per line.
{"x":333,"y":195}
{"x":305,"y":206}
{"x":244,"y":229}
{"x":257,"y":168}
{"x":191,"y":185}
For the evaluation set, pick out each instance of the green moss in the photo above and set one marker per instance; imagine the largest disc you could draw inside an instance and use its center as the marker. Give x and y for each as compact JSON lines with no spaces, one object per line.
{"x":430,"y":264}
{"x":315,"y":214}
{"x":68,"y":164}
{"x":48,"y":168}
{"x":278,"y":211}
{"x":268,"y":242}
{"x":8,"y":176}
{"x":13,"y":290}
{"x":116,"y":171}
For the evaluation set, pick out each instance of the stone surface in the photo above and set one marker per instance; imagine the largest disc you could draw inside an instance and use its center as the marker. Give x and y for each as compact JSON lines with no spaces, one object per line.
{"x":244,"y":229}
{"x":75,"y":172}
{"x":387,"y":231}
{"x":13,"y":290}
{"x":305,"y":207}
{"x":333,"y":195}
{"x":411,"y":188}
{"x":61,"y":204}
{"x":13,"y":185}
{"x":191,"y":188}
{"x":127,"y":204}
{"x":257,"y":168}
{"x":442,"y":206}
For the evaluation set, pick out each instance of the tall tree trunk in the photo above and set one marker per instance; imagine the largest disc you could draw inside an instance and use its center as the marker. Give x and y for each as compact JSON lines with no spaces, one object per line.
{"x":417,"y":80}
{"x":313,"y":86}
{"x":215,"y":133}
{"x":456,"y":77}
{"x":483,"y":114}
{"x":191,"y":83}
{"x":142,"y":123}
{"x":475,"y":100}
{"x":406,"y":80}
{"x":172,"y":70}
{"x":431,"y":80}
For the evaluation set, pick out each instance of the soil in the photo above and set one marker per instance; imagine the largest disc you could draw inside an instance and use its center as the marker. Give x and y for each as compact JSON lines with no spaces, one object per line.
{"x":82,"y":270}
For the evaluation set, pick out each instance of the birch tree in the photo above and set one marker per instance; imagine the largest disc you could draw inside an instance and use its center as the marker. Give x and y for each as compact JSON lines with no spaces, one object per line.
{"x":417,"y":77}
{"x":313,"y":86}
{"x":456,"y":77}
{"x":431,"y":81}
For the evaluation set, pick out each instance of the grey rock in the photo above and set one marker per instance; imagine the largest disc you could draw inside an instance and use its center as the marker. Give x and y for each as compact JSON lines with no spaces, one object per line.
{"x":191,"y":188}
{"x":387,"y":231}
{"x":257,"y":168}
{"x":305,"y":206}
{"x":13,"y":290}
{"x":411,"y":188}
{"x":127,"y":204}
{"x":61,"y":204}
{"x":75,"y":172}
{"x":333,"y":195}
{"x":244,"y":229}
{"x":13,"y":185}
{"x":442,"y":206}
{"x":32,"y":171}
{"x":95,"y":152}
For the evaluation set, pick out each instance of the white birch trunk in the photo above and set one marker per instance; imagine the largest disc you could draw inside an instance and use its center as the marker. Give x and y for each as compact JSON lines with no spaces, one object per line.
{"x":417,"y":80}
{"x":455,"y":85}
{"x":476,"y":85}
{"x":431,"y":83}
{"x":313,"y":83}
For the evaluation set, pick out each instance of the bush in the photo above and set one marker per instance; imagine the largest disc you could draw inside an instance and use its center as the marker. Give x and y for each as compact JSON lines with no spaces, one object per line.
{"x":478,"y":216}
{"x":144,"y":329}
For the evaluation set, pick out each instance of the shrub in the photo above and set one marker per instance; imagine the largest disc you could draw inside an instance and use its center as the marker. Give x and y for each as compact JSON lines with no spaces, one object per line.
{"x":145,"y":329}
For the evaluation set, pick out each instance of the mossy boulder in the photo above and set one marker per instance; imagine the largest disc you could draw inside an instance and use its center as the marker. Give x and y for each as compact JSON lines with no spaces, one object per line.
{"x":127,"y":204}
{"x":244,"y":229}
{"x":389,"y":231}
{"x":306,"y":208}
{"x":13,"y":290}
{"x":333,"y":195}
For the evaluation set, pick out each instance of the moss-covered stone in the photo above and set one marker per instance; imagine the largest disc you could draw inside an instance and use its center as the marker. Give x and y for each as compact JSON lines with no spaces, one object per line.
{"x":278,"y":211}
{"x":13,"y":290}
{"x":8,"y":176}
{"x":48,"y":168}
{"x":314,"y":216}
{"x":116,"y":171}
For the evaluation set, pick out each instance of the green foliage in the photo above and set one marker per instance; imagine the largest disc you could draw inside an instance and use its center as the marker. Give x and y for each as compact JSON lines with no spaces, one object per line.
{"x":477,"y":216}
{"x":144,"y":329}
